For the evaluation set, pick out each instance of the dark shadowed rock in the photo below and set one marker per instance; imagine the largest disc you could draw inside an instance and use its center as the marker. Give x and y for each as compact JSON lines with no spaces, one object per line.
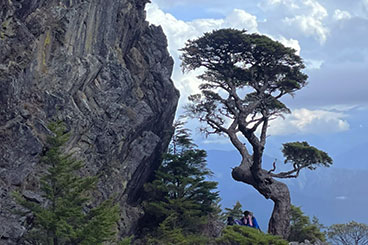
{"x":98,"y":66}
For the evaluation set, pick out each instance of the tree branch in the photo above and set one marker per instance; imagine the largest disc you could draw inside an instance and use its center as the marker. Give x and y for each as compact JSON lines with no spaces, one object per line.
{"x":289,"y":174}
{"x":231,"y":132}
{"x":273,"y":167}
{"x":264,"y":130}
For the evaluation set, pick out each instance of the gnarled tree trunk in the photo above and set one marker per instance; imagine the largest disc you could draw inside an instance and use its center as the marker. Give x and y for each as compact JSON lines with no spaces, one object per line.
{"x":279,"y":223}
{"x":272,"y":189}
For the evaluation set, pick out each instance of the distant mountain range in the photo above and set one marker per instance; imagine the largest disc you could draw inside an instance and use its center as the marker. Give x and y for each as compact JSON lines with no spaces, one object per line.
{"x":334,"y":195}
{"x":352,"y":158}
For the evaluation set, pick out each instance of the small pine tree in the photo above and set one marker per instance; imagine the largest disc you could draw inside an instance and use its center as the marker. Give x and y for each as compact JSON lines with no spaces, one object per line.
{"x":180,"y":198}
{"x":63,"y":217}
{"x":301,"y":228}
{"x":235,"y":212}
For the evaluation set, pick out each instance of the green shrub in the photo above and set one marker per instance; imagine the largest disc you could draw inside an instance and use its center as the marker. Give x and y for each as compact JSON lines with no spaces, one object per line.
{"x":242,"y":235}
{"x":301,"y":228}
{"x":126,"y":241}
{"x":167,"y":235}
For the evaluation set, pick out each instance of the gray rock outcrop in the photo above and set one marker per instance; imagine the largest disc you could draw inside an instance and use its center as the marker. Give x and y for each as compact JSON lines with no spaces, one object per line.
{"x":306,"y":242}
{"x":101,"y":68}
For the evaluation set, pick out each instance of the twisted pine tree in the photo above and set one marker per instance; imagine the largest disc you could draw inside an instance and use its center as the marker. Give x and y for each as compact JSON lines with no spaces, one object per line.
{"x":63,"y":216}
{"x":244,"y":78}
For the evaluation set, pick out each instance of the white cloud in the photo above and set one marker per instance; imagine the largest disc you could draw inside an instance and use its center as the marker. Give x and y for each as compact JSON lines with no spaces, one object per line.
{"x":291,"y":43}
{"x":305,"y":16}
{"x":317,"y":9}
{"x":341,"y":198}
{"x":241,"y":20}
{"x":313,"y":64}
{"x":304,"y":121}
{"x":310,"y":26}
{"x":342,"y":108}
{"x":300,"y":122}
{"x":365,"y":5}
{"x":271,"y":3}
{"x":178,"y":32}
{"x":341,"y":15}
{"x":317,"y":59}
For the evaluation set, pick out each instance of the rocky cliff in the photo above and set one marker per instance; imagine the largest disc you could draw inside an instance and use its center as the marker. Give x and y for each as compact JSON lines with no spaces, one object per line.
{"x":98,"y":66}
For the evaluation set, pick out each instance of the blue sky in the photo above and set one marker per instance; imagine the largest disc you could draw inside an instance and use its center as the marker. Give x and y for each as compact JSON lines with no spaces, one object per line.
{"x":331,"y":36}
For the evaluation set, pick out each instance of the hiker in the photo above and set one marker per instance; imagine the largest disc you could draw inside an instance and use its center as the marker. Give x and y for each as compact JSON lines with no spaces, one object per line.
{"x":249,"y":220}
{"x":230,"y":220}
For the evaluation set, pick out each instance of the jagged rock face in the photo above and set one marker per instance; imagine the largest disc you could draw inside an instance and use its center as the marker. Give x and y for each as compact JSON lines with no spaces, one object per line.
{"x":98,"y":66}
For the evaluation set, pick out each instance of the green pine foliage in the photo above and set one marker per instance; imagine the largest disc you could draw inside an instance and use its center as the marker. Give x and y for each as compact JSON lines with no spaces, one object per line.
{"x":236,"y":212}
{"x":63,"y":216}
{"x":167,"y":235}
{"x":242,"y":235}
{"x":126,"y":241}
{"x":301,"y":154}
{"x":301,"y":228}
{"x":180,"y":198}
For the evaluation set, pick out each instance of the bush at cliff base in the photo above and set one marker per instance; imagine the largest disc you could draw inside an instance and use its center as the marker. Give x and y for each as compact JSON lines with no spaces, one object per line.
{"x":242,"y":235}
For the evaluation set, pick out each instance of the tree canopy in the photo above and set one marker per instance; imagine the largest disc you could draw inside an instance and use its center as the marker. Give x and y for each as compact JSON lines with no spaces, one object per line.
{"x":238,"y":63}
{"x":350,"y":233}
